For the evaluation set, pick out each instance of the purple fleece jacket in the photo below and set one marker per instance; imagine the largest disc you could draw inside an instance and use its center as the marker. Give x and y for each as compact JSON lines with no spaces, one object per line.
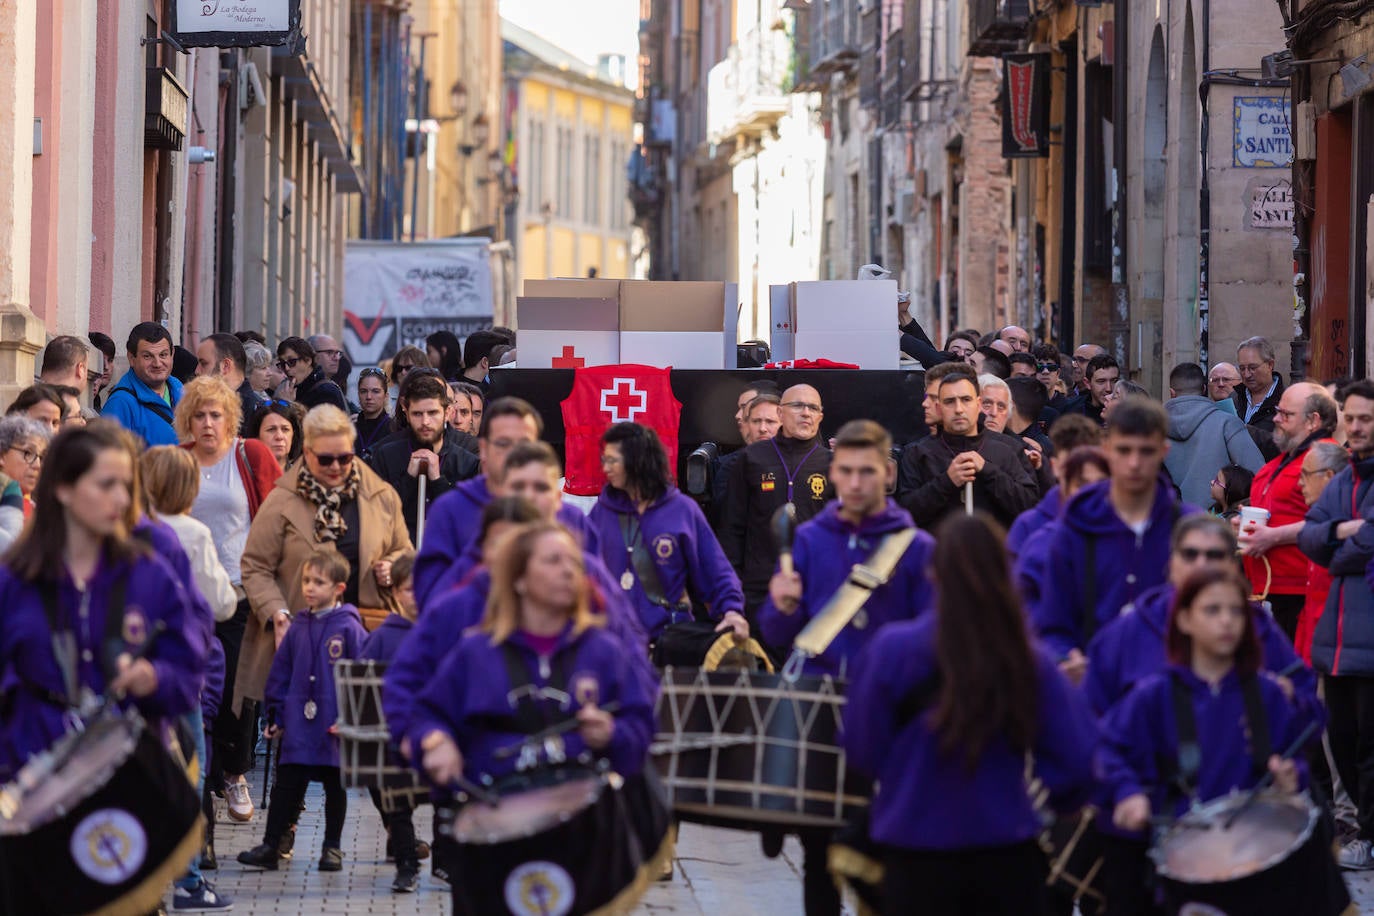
{"x":29,"y":674}
{"x":929,"y":800}
{"x":1126,"y":564}
{"x":468,"y":699}
{"x":303,"y":670}
{"x":1033,"y":519}
{"x":455,"y":521}
{"x":825,"y":550}
{"x":1141,"y":731}
{"x":383,"y":643}
{"x":684,"y":549}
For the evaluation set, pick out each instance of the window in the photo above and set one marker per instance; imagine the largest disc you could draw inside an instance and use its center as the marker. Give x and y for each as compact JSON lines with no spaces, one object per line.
{"x":565,"y":175}
{"x":534,"y":195}
{"x":591,"y":167}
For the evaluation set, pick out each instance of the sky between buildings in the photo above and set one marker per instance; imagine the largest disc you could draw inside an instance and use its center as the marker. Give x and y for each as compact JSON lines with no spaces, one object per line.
{"x":583,"y":28}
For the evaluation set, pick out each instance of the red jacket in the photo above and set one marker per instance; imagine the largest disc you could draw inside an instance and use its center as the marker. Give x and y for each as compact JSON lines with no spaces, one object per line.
{"x":1278,"y":488}
{"x":257,"y":468}
{"x":1318,"y":584}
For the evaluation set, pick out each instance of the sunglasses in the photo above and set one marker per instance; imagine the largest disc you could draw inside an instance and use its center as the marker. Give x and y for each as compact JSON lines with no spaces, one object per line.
{"x":1192,"y":554}
{"x":372,"y":372}
{"x":1047,"y":367}
{"x":288,"y":362}
{"x":328,"y":461}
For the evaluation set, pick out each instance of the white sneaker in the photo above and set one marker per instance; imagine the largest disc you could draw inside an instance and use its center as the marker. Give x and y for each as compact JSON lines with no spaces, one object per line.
{"x":240,"y":802}
{"x":1357,"y":855}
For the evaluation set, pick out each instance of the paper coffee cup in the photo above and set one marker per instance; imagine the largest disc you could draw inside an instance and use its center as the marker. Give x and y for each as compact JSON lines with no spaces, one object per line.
{"x":1253,"y":515}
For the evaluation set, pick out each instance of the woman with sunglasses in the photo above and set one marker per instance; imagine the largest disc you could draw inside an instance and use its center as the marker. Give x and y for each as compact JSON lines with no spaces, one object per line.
{"x":310,"y":386}
{"x":406,"y":359}
{"x":23,"y":443}
{"x":330,"y":498}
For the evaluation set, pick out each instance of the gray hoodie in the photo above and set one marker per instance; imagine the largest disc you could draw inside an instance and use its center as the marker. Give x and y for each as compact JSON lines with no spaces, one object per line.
{"x":1203,"y":439}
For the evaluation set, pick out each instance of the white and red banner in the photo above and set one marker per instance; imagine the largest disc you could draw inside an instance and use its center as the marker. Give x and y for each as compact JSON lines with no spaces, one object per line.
{"x":604,"y":395}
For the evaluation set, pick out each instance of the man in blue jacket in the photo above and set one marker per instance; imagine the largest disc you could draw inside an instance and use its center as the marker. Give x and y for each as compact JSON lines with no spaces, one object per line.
{"x":1336,"y":534}
{"x":144,"y":400}
{"x":846,"y":533}
{"x":1113,"y":543}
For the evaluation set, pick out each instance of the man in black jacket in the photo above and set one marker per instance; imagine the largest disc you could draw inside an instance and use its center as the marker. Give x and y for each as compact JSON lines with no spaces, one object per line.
{"x":937,"y":469}
{"x":430,"y":448}
{"x":791,"y":467}
{"x":1257,"y":396}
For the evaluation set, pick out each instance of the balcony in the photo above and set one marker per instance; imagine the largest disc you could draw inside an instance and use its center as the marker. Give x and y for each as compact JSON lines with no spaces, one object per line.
{"x":996,"y":27}
{"x":747,"y":93}
{"x":894,"y":68}
{"x":834,"y":36}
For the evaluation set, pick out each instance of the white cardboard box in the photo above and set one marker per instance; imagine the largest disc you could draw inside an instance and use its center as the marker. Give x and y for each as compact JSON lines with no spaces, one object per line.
{"x":844,"y":305}
{"x":677,"y":308}
{"x":782,"y":327}
{"x":678,"y":349}
{"x":563,"y":349}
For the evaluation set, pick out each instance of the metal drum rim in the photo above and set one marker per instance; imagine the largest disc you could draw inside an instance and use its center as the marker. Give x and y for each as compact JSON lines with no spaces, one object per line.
{"x":1211,"y":807}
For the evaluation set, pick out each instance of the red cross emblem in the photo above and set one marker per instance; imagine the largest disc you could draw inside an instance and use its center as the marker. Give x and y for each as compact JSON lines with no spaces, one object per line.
{"x":624,"y":394}
{"x":569,"y":360}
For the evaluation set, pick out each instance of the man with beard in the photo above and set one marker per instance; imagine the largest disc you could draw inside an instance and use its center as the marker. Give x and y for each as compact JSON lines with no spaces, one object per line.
{"x":789,"y":468}
{"x":431,"y":448}
{"x":940,"y":466}
{"x":1304,"y":415}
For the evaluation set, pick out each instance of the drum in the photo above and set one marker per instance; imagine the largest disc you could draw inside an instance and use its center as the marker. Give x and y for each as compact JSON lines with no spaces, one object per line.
{"x":1275,"y":858}
{"x":557,"y":843}
{"x":743,"y":748}
{"x":365,"y":755}
{"x":100,"y":823}
{"x":1074,"y":849}
{"x":696,"y":644}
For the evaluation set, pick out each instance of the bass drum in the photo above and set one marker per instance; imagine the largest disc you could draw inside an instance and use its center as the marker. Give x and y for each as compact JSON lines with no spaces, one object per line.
{"x":101,"y":823}
{"x":1274,"y":859}
{"x":559,"y":843}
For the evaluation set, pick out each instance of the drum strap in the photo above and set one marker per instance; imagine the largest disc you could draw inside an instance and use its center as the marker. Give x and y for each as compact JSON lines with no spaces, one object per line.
{"x":64,"y":640}
{"x":1189,"y":760}
{"x":646,"y":571}
{"x":529,"y":716}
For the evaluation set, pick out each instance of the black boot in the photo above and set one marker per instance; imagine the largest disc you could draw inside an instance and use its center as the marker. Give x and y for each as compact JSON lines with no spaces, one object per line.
{"x":264,"y":856}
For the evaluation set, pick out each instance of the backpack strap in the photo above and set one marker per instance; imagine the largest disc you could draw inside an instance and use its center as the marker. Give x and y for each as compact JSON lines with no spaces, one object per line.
{"x":529,"y":712}
{"x":1258,"y":720}
{"x":1188,"y":759}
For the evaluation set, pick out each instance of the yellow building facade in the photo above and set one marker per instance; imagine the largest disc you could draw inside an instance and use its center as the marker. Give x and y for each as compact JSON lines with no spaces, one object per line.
{"x":569,"y":131}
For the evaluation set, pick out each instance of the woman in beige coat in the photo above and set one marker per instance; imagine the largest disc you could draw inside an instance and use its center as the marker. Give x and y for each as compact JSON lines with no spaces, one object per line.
{"x":329,"y":497}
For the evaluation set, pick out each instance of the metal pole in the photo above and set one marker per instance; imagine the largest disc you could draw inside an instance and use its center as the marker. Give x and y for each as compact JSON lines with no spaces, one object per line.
{"x":369,"y":141}
{"x":420,"y":507}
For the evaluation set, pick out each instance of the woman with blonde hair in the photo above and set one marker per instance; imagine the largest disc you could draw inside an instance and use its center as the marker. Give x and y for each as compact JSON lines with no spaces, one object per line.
{"x":234,"y":477}
{"x":537,"y":640}
{"x":329,"y":497}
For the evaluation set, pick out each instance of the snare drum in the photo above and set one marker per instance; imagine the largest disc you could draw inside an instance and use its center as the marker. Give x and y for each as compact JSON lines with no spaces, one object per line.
{"x":1275,"y":858}
{"x":365,"y":756}
{"x":100,"y":823}
{"x":743,"y":748}
{"x":558,"y":842}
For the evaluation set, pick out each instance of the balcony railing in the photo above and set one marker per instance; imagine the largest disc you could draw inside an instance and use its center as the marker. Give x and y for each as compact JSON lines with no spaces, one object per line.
{"x":834,"y":35}
{"x":996,"y":26}
{"x":747,"y":92}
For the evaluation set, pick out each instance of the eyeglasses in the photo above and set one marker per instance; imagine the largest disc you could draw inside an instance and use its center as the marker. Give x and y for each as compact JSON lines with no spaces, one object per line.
{"x":288,"y":362}
{"x":328,"y":352}
{"x":328,"y":461}
{"x":1193,"y":554}
{"x":1223,"y":380}
{"x":611,"y":460}
{"x":1315,"y":471}
{"x":1287,"y":414}
{"x":1250,"y":369}
{"x":29,"y":455}
{"x":803,"y":407}
{"x":1047,"y":367}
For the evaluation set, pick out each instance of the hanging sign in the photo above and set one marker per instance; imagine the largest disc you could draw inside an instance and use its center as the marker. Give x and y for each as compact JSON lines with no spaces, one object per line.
{"x":1025,"y":106}
{"x":236,"y":23}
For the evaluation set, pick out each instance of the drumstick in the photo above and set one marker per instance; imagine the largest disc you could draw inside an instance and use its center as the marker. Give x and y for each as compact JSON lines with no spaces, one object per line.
{"x":476,"y":791}
{"x":1268,"y":779}
{"x":566,"y":725}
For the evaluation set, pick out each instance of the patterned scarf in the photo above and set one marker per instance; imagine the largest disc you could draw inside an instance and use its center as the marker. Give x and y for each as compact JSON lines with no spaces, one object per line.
{"x":329,"y":521}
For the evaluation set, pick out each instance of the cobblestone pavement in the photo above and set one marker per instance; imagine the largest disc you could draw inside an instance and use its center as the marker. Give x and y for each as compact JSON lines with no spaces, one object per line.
{"x":718,"y":872}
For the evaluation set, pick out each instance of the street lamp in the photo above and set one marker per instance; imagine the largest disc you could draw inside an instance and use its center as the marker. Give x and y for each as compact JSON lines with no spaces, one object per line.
{"x":481,"y":132}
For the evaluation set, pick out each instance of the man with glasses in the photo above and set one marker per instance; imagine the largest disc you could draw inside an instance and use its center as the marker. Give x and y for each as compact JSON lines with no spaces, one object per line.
{"x":791,"y":467}
{"x":936,"y":470}
{"x":428,"y":447}
{"x":455,"y":520}
{"x":1305,"y":415}
{"x":1100,"y":375}
{"x":1261,"y":387}
{"x":1221,"y":385}
{"x":1202,"y":436}
{"x":1081,"y":357}
{"x":144,"y":400}
{"x":328,"y":353}
{"x":1016,"y":338}
{"x":1335,"y":535}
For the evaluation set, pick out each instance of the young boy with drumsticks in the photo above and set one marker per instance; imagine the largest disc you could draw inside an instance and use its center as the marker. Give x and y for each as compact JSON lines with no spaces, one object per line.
{"x":301,"y":708}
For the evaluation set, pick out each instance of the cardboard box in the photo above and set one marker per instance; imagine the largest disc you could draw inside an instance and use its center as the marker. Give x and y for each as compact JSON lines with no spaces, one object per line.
{"x":782,"y":327}
{"x":869,"y":349}
{"x":672,"y":310}
{"x":573,"y":288}
{"x":567,"y":333}
{"x":844,"y":305}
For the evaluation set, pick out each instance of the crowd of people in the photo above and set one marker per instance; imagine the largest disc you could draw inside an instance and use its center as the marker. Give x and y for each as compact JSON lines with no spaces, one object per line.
{"x":1159,"y":601}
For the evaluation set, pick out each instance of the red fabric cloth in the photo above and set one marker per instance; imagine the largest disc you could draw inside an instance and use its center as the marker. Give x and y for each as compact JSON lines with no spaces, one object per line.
{"x":808,"y":364}
{"x":1318,"y":585}
{"x":1280,"y":491}
{"x":603,"y":395}
{"x":257,"y":468}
